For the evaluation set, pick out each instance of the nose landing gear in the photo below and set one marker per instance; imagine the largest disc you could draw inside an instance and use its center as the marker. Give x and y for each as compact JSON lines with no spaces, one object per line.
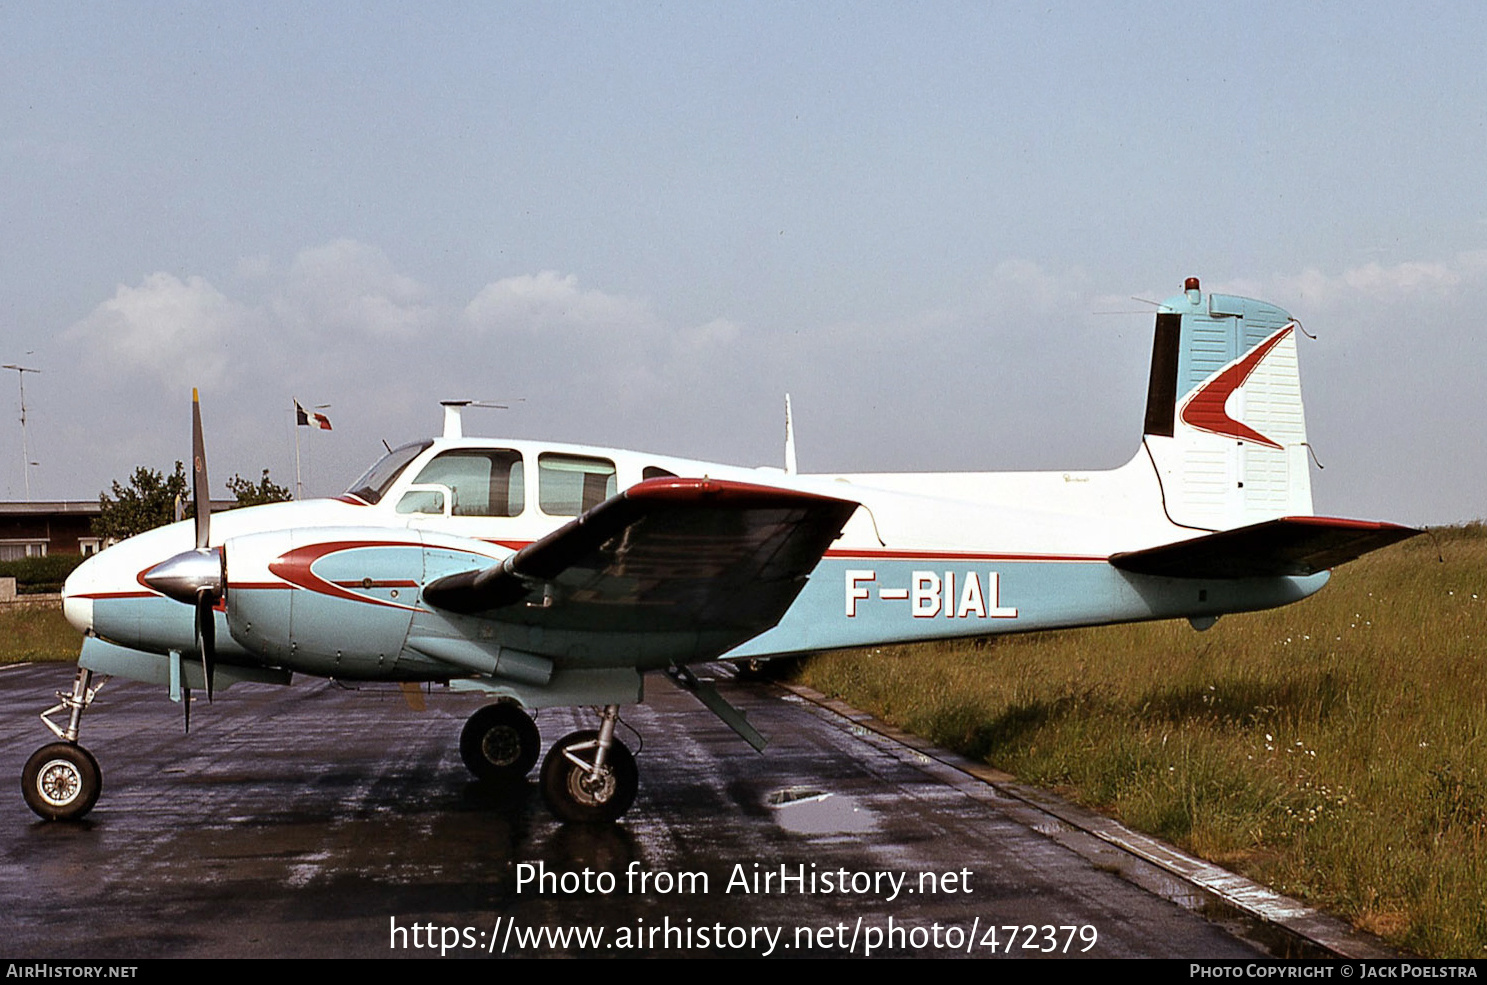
{"x":61,"y":781}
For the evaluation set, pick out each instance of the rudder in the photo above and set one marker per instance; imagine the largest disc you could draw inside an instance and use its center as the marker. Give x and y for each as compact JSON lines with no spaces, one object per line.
{"x":1224,"y":421}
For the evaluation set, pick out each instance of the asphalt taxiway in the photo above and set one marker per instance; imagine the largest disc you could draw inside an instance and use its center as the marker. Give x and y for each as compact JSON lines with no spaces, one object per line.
{"x":323,"y":820}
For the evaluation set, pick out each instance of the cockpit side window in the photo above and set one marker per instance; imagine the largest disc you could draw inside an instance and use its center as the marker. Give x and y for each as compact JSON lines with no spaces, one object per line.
{"x":568,"y":485}
{"x":483,"y":481}
{"x":375,"y":481}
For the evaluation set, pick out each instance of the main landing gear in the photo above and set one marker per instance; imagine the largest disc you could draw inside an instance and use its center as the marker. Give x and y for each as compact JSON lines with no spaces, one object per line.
{"x":500,"y":743}
{"x":588,"y":776}
{"x":61,"y":781}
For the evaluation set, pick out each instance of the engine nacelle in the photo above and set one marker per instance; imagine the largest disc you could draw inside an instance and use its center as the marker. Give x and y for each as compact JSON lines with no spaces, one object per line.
{"x":338,"y":602}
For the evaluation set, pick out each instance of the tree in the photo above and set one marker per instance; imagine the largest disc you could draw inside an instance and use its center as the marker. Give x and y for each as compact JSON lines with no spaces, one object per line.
{"x":251,"y":494}
{"x":149,"y":501}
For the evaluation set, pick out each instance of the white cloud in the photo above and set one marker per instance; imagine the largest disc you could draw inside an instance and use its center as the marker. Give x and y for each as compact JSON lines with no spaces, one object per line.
{"x":1015,"y":372}
{"x":339,"y":319}
{"x":706,"y":339}
{"x":551,"y":302}
{"x":349,"y":287}
{"x":1376,"y":283}
{"x":176,"y":331}
{"x":1026,"y":284}
{"x":331,"y":301}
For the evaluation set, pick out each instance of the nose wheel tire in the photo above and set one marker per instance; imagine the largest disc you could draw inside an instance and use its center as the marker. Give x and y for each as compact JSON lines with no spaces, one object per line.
{"x":500,"y":742}
{"x":61,"y":781}
{"x":571,"y":790}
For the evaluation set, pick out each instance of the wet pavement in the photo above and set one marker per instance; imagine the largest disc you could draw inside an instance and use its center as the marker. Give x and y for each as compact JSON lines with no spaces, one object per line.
{"x":319,"y":820}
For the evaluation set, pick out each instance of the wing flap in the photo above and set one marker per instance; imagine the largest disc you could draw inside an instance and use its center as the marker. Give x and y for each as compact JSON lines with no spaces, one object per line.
{"x":668,"y":555}
{"x":1290,"y":546}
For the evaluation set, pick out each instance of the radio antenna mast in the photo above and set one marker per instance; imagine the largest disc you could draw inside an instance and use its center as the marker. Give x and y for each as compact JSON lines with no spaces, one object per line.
{"x":20,"y":372}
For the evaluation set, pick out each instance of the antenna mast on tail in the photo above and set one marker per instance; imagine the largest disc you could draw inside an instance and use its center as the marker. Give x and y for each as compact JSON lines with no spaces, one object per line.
{"x":789,"y":439}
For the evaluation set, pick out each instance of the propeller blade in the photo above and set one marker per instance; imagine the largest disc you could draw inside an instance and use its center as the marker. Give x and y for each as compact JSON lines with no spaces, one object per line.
{"x":201,"y":494}
{"x":186,"y":704}
{"x":206,"y":637}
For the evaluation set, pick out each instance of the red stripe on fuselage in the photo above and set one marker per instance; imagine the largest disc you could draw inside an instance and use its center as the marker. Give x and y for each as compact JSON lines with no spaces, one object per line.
{"x":295,"y":568}
{"x":884,"y":554}
{"x":888,"y":555}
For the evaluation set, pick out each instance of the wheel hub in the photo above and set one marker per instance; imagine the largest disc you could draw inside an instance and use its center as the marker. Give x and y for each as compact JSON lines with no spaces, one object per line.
{"x":592,"y":790}
{"x":59,"y":782}
{"x":502,"y":746}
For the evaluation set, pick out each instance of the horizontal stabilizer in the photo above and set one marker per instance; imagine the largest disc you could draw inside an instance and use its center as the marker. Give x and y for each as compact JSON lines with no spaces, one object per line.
{"x":664,"y":556}
{"x":1290,"y":546}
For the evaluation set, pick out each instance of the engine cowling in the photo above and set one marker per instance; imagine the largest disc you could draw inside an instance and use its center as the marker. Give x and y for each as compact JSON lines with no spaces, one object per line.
{"x":335,"y":602}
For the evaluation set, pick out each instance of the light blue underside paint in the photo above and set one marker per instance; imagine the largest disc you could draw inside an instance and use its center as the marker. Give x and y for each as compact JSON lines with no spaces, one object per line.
{"x":614,"y":686}
{"x":1047,"y":595}
{"x":103,"y":657}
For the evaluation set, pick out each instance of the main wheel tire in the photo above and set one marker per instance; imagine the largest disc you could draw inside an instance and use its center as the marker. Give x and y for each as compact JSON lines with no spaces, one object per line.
{"x":573,"y":797}
{"x":61,"y":782}
{"x":500,"y":742}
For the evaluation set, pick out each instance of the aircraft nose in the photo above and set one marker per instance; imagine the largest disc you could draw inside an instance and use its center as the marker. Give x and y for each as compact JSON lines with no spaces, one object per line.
{"x":77,"y":607}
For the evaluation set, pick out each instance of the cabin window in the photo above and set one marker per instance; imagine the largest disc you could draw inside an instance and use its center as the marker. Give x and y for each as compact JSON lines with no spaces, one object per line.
{"x":481,"y":481}
{"x":656,"y":472}
{"x":430,"y":501}
{"x":568,"y":485}
{"x":374,"y":483}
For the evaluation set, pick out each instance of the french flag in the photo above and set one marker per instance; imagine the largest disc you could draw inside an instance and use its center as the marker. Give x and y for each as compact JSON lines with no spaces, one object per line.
{"x":307,"y":418}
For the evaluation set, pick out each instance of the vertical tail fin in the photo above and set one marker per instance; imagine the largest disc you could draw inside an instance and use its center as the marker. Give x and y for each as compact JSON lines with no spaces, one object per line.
{"x":1224,"y":421}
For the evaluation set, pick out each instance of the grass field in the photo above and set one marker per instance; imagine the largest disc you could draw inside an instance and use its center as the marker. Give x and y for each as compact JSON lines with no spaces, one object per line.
{"x":1332,"y":749}
{"x":33,"y":633}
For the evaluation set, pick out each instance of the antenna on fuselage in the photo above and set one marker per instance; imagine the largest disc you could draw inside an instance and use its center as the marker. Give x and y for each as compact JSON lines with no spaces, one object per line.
{"x":789,"y":439}
{"x":454,"y":412}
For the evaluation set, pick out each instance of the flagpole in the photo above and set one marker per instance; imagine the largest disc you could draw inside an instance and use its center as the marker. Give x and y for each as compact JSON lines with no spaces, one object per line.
{"x":299,"y":487}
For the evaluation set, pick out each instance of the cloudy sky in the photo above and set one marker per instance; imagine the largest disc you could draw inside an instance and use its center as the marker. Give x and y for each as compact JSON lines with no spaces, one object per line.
{"x":926,"y":222}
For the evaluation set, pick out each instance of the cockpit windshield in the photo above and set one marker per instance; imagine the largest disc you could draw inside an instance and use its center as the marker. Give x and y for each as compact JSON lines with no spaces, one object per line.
{"x":374,"y":483}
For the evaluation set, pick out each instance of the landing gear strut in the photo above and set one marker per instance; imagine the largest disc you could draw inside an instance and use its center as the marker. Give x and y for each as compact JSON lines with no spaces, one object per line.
{"x":500,"y":742}
{"x":61,"y":781}
{"x":589,"y":776}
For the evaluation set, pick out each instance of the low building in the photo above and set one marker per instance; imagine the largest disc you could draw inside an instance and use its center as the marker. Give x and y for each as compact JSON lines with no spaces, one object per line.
{"x":42,"y":527}
{"x":58,"y":526}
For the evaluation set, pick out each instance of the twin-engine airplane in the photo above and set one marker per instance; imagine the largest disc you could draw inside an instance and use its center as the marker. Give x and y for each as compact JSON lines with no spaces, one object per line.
{"x":557,"y":575}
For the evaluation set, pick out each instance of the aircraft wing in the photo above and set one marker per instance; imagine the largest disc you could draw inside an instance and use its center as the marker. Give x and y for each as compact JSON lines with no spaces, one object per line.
{"x":668,"y":556}
{"x":1289,"y":546}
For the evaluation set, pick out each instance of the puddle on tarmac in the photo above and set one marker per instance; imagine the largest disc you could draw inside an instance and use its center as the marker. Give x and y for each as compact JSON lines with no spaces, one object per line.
{"x":812,"y":811}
